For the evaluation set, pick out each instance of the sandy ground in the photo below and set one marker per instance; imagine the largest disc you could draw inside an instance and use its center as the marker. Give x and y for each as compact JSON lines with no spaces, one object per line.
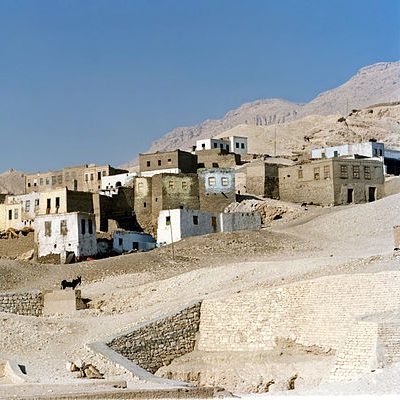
{"x":128,"y":290}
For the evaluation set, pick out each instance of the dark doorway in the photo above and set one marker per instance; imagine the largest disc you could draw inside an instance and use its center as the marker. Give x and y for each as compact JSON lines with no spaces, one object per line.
{"x":135,"y":245}
{"x":350,"y":195}
{"x":371,"y":193}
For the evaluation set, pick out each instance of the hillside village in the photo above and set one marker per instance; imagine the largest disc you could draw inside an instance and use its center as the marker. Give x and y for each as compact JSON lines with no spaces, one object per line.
{"x":179,"y":194}
{"x":261,"y":259}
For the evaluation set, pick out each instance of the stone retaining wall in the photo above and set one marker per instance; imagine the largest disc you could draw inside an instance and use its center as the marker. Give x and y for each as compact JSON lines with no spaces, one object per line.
{"x":156,"y":344}
{"x":30,"y":303}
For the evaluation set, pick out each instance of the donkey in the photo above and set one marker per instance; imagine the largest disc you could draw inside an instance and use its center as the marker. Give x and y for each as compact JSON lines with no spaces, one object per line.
{"x":73,"y":284}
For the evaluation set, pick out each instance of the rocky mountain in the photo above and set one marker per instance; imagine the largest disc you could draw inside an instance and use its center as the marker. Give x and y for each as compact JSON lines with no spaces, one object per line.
{"x":12,"y":182}
{"x":378,"y":83}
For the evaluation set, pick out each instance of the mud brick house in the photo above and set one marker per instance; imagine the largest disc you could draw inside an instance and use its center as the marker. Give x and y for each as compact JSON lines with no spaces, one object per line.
{"x":119,"y":207}
{"x":171,"y":191}
{"x":175,"y":162}
{"x":66,"y":233}
{"x":217,"y":158}
{"x":142,"y":203}
{"x":371,"y":149}
{"x":332,"y":181}
{"x":216,"y":189}
{"x":86,"y":178}
{"x":262,"y":177}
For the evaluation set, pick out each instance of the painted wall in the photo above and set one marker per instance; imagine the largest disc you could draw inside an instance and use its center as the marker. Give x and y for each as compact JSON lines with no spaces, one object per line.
{"x":367,"y":149}
{"x":70,"y":240}
{"x":230,"y":222}
{"x":126,"y":241}
{"x":110,"y":182}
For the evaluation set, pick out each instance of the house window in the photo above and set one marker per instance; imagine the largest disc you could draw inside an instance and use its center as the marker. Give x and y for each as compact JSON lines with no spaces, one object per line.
{"x":47,"y":228}
{"x":59,"y":179}
{"x":159,"y":163}
{"x":10,"y":215}
{"x":224,"y":181}
{"x":203,"y":145}
{"x":215,"y":165}
{"x":215,"y":145}
{"x":327,"y":172}
{"x":343,"y":171}
{"x":367,"y":172}
{"x":41,"y":181}
{"x":169,"y":161}
{"x":300,"y":174}
{"x":242,"y":145}
{"x":195,"y":220}
{"x":211,"y":181}
{"x":99,"y":176}
{"x":48,"y":206}
{"x":104,"y":173}
{"x":171,"y":184}
{"x":356,"y":171}
{"x":47,"y":181}
{"x":53,"y":180}
{"x":214,"y":221}
{"x":184,"y":185}
{"x":86,"y":177}
{"x":35,"y":183}
{"x":120,"y":241}
{"x":144,"y":205}
{"x":237,"y":145}
{"x":57,"y":203}
{"x":63,"y":227}
{"x":29,"y":184}
{"x":380,"y":152}
{"x":16,"y":213}
{"x":92,"y":177}
{"x":148,"y":163}
{"x":83,"y":226}
{"x":375,"y":152}
{"x":335,"y":153}
{"x":168,"y":220}
{"x":90,"y":226}
{"x":316,"y":173}
{"x":36,"y":203}
{"x":27,"y":205}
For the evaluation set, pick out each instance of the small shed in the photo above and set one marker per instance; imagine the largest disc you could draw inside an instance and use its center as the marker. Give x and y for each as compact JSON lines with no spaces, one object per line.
{"x":125,"y":241}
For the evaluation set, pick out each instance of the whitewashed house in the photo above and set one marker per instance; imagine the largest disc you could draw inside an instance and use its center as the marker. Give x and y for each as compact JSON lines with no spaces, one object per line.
{"x":231,"y":144}
{"x":111,"y":183}
{"x":177,"y":224}
{"x":65,"y":233}
{"x":124,"y":241}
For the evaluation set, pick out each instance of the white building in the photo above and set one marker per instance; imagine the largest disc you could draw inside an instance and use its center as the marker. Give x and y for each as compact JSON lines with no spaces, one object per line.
{"x":371,"y":149}
{"x":124,"y":241}
{"x":111,"y":183}
{"x":231,"y":144}
{"x":19,"y":211}
{"x":66,"y":233}
{"x":367,"y":149}
{"x":177,"y":224}
{"x":149,"y":174}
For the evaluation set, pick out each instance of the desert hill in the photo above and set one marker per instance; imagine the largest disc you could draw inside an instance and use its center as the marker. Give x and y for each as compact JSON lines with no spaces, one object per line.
{"x":374,"y":84}
{"x":12,"y":182}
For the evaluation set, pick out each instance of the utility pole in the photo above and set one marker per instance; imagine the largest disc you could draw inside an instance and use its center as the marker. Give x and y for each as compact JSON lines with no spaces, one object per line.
{"x":172,"y":238}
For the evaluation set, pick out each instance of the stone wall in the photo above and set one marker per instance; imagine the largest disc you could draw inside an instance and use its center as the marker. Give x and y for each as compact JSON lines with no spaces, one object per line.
{"x":158,"y":343}
{"x":315,"y":312}
{"x":30,"y":303}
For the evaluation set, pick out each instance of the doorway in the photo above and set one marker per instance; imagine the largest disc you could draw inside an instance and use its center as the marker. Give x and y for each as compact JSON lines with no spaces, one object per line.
{"x":371,"y":193}
{"x":135,"y":246}
{"x":350,"y":196}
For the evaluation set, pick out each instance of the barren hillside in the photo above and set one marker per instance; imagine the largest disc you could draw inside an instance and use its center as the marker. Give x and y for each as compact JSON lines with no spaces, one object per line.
{"x":12,"y":182}
{"x":378,"y":83}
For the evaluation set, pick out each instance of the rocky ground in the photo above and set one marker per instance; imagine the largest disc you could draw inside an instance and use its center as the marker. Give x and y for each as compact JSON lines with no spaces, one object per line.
{"x":128,"y":290}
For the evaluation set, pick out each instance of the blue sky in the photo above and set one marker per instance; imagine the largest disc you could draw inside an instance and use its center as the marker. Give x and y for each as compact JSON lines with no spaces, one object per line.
{"x":98,"y":81}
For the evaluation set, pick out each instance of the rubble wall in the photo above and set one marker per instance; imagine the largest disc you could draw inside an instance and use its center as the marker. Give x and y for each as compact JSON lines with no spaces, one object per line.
{"x":158,"y":343}
{"x":30,"y":303}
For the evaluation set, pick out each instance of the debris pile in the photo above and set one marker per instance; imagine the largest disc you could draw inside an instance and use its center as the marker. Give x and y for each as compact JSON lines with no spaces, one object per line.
{"x":83,"y":370}
{"x":12,"y":233}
